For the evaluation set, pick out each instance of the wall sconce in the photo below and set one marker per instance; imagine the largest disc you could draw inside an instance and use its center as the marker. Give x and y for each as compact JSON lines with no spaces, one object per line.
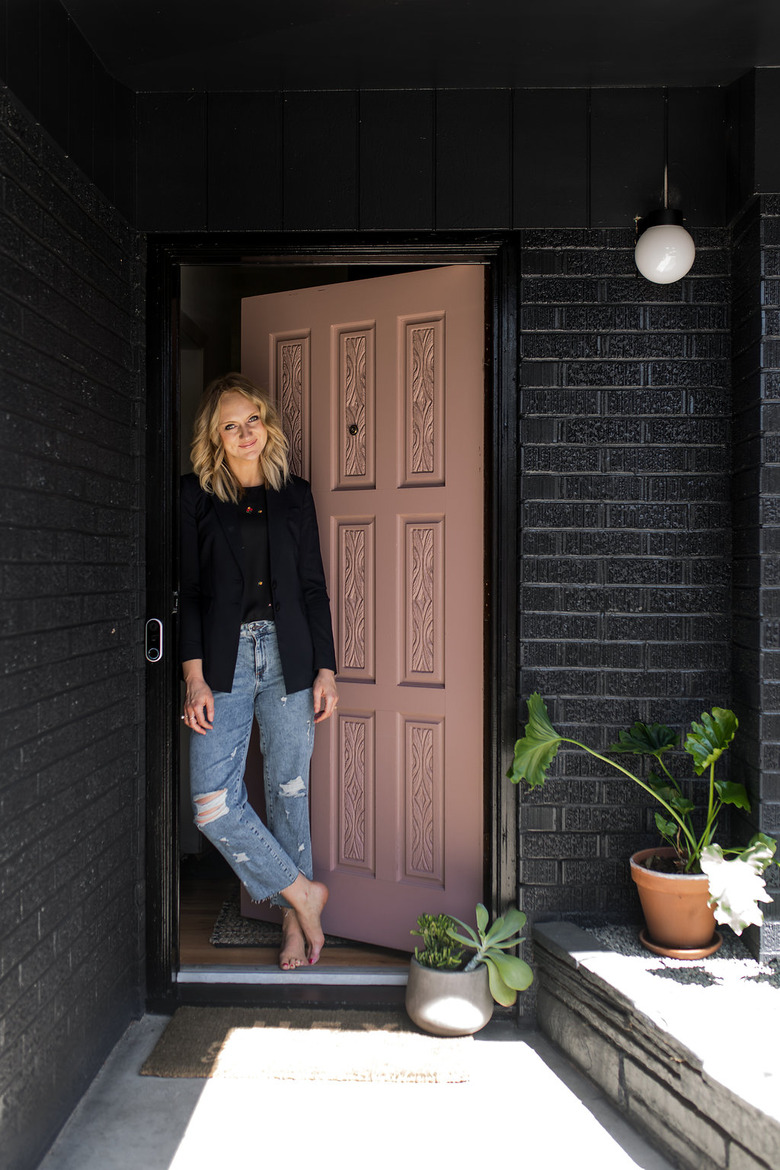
{"x":664,"y":250}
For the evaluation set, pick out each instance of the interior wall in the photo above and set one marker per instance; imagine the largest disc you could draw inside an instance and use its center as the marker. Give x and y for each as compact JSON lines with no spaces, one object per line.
{"x":71,"y":778}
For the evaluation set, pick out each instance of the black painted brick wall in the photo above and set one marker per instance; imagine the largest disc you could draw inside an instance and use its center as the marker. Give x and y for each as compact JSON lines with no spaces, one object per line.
{"x":71,"y":809}
{"x":625,"y":592}
{"x":756,"y":349}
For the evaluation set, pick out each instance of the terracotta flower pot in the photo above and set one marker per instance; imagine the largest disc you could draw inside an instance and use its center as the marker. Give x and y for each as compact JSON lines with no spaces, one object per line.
{"x":675,"y":906}
{"x":448,"y":1003}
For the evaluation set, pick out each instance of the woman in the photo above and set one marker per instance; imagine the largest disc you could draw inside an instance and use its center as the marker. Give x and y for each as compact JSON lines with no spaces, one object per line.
{"x":256,"y":642}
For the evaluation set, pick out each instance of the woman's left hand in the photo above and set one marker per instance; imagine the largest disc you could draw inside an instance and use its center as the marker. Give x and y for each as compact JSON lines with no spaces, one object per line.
{"x":325,"y":694}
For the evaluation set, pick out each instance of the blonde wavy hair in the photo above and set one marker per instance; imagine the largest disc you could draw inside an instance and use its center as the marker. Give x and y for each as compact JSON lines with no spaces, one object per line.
{"x":208,"y":454}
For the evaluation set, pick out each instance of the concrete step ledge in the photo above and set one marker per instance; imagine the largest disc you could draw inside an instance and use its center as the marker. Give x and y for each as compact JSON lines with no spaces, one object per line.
{"x":699,"y":1073}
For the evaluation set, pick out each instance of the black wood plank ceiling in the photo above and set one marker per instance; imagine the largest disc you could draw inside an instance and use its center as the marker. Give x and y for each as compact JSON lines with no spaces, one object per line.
{"x":235,"y":45}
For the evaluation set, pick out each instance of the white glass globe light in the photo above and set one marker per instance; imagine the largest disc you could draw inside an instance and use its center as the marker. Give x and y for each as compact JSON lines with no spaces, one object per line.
{"x":664,"y":251}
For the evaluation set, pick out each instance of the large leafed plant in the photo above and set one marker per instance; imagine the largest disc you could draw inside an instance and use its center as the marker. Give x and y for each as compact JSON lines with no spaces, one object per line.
{"x":736,"y":882}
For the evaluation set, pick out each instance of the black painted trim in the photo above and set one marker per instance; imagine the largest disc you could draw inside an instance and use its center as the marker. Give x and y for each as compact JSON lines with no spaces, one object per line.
{"x":501,"y":586}
{"x":165,"y":255}
{"x":162,"y":687}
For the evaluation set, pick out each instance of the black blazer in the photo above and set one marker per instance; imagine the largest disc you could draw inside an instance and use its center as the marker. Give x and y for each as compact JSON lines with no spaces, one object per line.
{"x":212,"y":584}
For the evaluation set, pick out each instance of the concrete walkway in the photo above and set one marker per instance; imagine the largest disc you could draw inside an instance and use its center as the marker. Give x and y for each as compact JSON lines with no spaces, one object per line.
{"x":524,"y":1105}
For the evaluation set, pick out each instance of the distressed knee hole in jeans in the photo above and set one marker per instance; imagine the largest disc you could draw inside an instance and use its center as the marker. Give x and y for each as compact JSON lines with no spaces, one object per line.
{"x":211,"y":807}
{"x":294,"y":787}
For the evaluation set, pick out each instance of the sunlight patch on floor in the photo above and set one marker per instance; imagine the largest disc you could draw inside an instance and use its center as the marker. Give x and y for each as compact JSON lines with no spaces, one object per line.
{"x":248,"y":1120}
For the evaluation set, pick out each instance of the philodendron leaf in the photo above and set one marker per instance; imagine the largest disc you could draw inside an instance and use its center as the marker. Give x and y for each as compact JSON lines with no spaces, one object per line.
{"x":736,"y":886}
{"x":644,"y":740}
{"x":670,"y":794}
{"x":732,"y":793}
{"x":537,"y":749}
{"x":666,"y":828}
{"x":515,"y":972}
{"x":660,"y":784}
{"x":708,"y":740}
{"x":482,"y":918}
{"x":502,"y":994}
{"x":764,"y":847}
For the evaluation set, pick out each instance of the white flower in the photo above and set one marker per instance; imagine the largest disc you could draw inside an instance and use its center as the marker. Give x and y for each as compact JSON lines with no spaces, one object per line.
{"x":737,"y":886}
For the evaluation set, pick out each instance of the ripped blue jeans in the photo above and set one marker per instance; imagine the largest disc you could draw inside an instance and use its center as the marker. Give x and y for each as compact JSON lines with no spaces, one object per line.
{"x":269,"y":858}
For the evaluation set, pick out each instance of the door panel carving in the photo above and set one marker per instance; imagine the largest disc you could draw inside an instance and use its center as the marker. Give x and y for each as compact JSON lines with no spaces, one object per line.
{"x":356,"y":615}
{"x":423,"y":393}
{"x":424,"y":758}
{"x":290,"y":386}
{"x":423,"y":544}
{"x":356,"y":769}
{"x":355,"y":363}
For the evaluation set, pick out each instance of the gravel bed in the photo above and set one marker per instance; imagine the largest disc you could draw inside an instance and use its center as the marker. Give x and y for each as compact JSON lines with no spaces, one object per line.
{"x":732,"y":964}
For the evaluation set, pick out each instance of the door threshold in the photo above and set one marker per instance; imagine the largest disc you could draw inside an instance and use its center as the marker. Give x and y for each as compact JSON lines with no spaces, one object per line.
{"x":266,"y":976}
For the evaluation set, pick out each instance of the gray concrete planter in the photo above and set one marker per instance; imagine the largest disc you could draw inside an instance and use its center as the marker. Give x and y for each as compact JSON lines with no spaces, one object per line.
{"x":448,"y":1003}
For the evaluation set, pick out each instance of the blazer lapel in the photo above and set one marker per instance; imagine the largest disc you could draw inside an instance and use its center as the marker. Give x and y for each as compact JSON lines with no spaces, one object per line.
{"x":226,"y":515}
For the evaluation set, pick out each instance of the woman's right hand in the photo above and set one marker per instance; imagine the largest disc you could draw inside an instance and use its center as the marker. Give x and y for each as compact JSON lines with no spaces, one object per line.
{"x":198,"y":701}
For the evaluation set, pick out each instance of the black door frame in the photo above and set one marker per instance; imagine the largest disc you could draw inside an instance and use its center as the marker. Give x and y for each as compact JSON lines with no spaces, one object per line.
{"x":165,"y":255}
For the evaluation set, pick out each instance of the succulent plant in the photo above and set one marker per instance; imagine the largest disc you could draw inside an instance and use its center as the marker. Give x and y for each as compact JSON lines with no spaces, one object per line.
{"x":506,"y":973}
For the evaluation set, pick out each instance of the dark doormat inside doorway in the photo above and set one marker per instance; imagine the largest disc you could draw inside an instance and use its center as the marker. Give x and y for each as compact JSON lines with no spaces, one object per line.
{"x":232,"y":930}
{"x":239,"y":1043}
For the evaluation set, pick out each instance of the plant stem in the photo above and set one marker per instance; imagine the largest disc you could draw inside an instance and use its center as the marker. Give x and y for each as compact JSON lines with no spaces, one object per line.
{"x":641,"y":783}
{"x":711,"y":800}
{"x":713,"y":810}
{"x":668,"y":773}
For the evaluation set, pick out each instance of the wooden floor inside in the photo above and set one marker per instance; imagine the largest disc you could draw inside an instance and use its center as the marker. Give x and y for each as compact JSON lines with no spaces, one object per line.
{"x":202,"y":896}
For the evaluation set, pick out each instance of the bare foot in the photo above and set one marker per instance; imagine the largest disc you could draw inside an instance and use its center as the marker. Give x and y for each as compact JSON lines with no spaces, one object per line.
{"x":308,"y":900}
{"x":293,"y":949}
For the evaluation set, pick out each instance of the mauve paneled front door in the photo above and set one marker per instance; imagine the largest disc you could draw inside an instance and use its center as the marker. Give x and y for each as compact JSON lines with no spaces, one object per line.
{"x":381,"y":388}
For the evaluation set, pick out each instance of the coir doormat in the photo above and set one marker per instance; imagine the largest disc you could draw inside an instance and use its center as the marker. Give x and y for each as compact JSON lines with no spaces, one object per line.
{"x":238,"y":1043}
{"x":232,"y":930}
